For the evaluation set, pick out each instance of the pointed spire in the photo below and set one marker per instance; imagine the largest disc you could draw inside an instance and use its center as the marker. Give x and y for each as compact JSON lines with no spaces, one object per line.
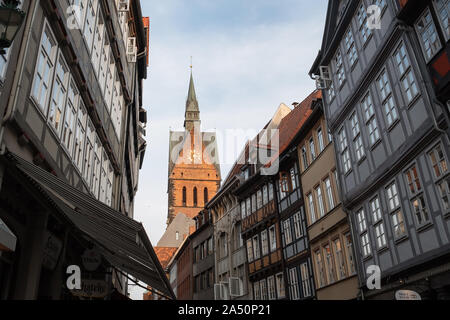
{"x":192,"y":115}
{"x":192,"y":98}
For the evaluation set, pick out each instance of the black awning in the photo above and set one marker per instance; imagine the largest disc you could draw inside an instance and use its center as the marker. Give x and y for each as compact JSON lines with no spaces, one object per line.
{"x":122,"y":240}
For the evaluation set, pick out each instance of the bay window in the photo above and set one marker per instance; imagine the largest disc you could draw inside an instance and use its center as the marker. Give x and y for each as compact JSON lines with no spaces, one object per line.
{"x":44,"y":69}
{"x":428,"y":36}
{"x":59,"y":91}
{"x":80,"y":137}
{"x":70,"y":117}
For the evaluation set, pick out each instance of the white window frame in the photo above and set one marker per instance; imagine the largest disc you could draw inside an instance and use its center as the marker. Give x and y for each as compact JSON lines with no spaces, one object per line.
{"x":428,"y":35}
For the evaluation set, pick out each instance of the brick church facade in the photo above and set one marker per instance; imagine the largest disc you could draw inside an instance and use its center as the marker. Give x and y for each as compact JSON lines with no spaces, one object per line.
{"x":194,"y":173}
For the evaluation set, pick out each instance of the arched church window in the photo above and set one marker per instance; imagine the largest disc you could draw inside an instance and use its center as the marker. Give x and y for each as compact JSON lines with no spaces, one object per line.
{"x":184,"y":196}
{"x":205,"y":195}
{"x":195,"y":197}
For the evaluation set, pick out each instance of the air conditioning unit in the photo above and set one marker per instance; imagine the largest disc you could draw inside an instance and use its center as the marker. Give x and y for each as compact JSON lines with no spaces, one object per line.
{"x":221,"y":291}
{"x":236,"y":287}
{"x":124,"y":5}
{"x":131,"y":50}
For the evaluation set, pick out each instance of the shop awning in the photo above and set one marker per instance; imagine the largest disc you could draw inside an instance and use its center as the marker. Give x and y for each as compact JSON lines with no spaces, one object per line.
{"x":7,"y":239}
{"x":122,"y":240}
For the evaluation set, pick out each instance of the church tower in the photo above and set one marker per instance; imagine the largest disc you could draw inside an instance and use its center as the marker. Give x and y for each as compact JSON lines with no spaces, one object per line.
{"x":194,"y":173}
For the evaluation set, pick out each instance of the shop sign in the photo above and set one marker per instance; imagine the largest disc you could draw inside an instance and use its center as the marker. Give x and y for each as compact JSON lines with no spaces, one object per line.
{"x":91,"y":260}
{"x":407,"y":295}
{"x":92,"y":289}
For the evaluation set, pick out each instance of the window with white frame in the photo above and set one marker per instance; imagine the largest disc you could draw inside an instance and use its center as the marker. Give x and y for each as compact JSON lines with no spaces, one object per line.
{"x":109,"y":185}
{"x":380,"y":4}
{"x":380,"y":235}
{"x":253,"y":203}
{"x":89,"y":23}
{"x":321,"y":282}
{"x":398,"y":224}
{"x":392,"y":195}
{"x":361,"y":219}
{"x":259,"y":202}
{"x":109,"y":85}
{"x":256,"y":249}
{"x":272,"y":239}
{"x":352,"y":53}
{"x":99,"y":36}
{"x":306,"y":287}
{"x":89,"y":153}
{"x":104,"y":67}
{"x":362,"y":24}
{"x":328,"y":255}
{"x":443,"y":12}
{"x":390,"y":110}
{"x":298,"y":230}
{"x":250,"y":250}
{"x":428,"y":36}
{"x":293,"y":284}
{"x":59,"y":91}
{"x":345,"y":154}
{"x":375,"y":209}
{"x":271,"y":192}
{"x":80,"y":137}
{"x":263,"y":285}
{"x":419,"y":206}
{"x":271,"y":288}
{"x":357,"y":139}
{"x":312,"y":149}
{"x":311,"y":207}
{"x":365,"y":245}
{"x":349,"y":253}
{"x":265,"y":195}
{"x":339,"y":259}
{"x":339,"y":68}
{"x":287,"y":232}
{"x":320,"y":201}
{"x":70,"y":117}
{"x":320,"y":139}
{"x":371,"y":121}
{"x":305,"y":158}
{"x":440,"y":171}
{"x":248,"y":204}
{"x":103,"y":178}
{"x":330,"y":197}
{"x":44,"y":69}
{"x":264,"y":243}
{"x":243,"y":210}
{"x":96,"y":167}
{"x":331,"y":91}
{"x":438,"y":161}
{"x":256,"y":291}
{"x":280,"y":286}
{"x":408,"y":81}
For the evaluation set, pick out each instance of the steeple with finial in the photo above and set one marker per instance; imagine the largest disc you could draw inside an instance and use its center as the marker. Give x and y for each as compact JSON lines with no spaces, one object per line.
{"x":192,"y":115}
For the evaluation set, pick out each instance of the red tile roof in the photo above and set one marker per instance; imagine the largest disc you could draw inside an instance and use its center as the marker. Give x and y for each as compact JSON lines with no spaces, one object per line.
{"x":164,"y":255}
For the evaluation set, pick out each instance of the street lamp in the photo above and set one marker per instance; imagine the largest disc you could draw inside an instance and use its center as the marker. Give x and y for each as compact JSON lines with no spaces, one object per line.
{"x":11,"y":19}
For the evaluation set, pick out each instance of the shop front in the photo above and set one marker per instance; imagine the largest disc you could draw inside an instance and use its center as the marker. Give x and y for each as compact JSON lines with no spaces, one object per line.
{"x":58,"y":243}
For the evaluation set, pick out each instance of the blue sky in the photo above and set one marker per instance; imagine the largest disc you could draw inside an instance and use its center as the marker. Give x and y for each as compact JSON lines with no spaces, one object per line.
{"x":248,"y":57}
